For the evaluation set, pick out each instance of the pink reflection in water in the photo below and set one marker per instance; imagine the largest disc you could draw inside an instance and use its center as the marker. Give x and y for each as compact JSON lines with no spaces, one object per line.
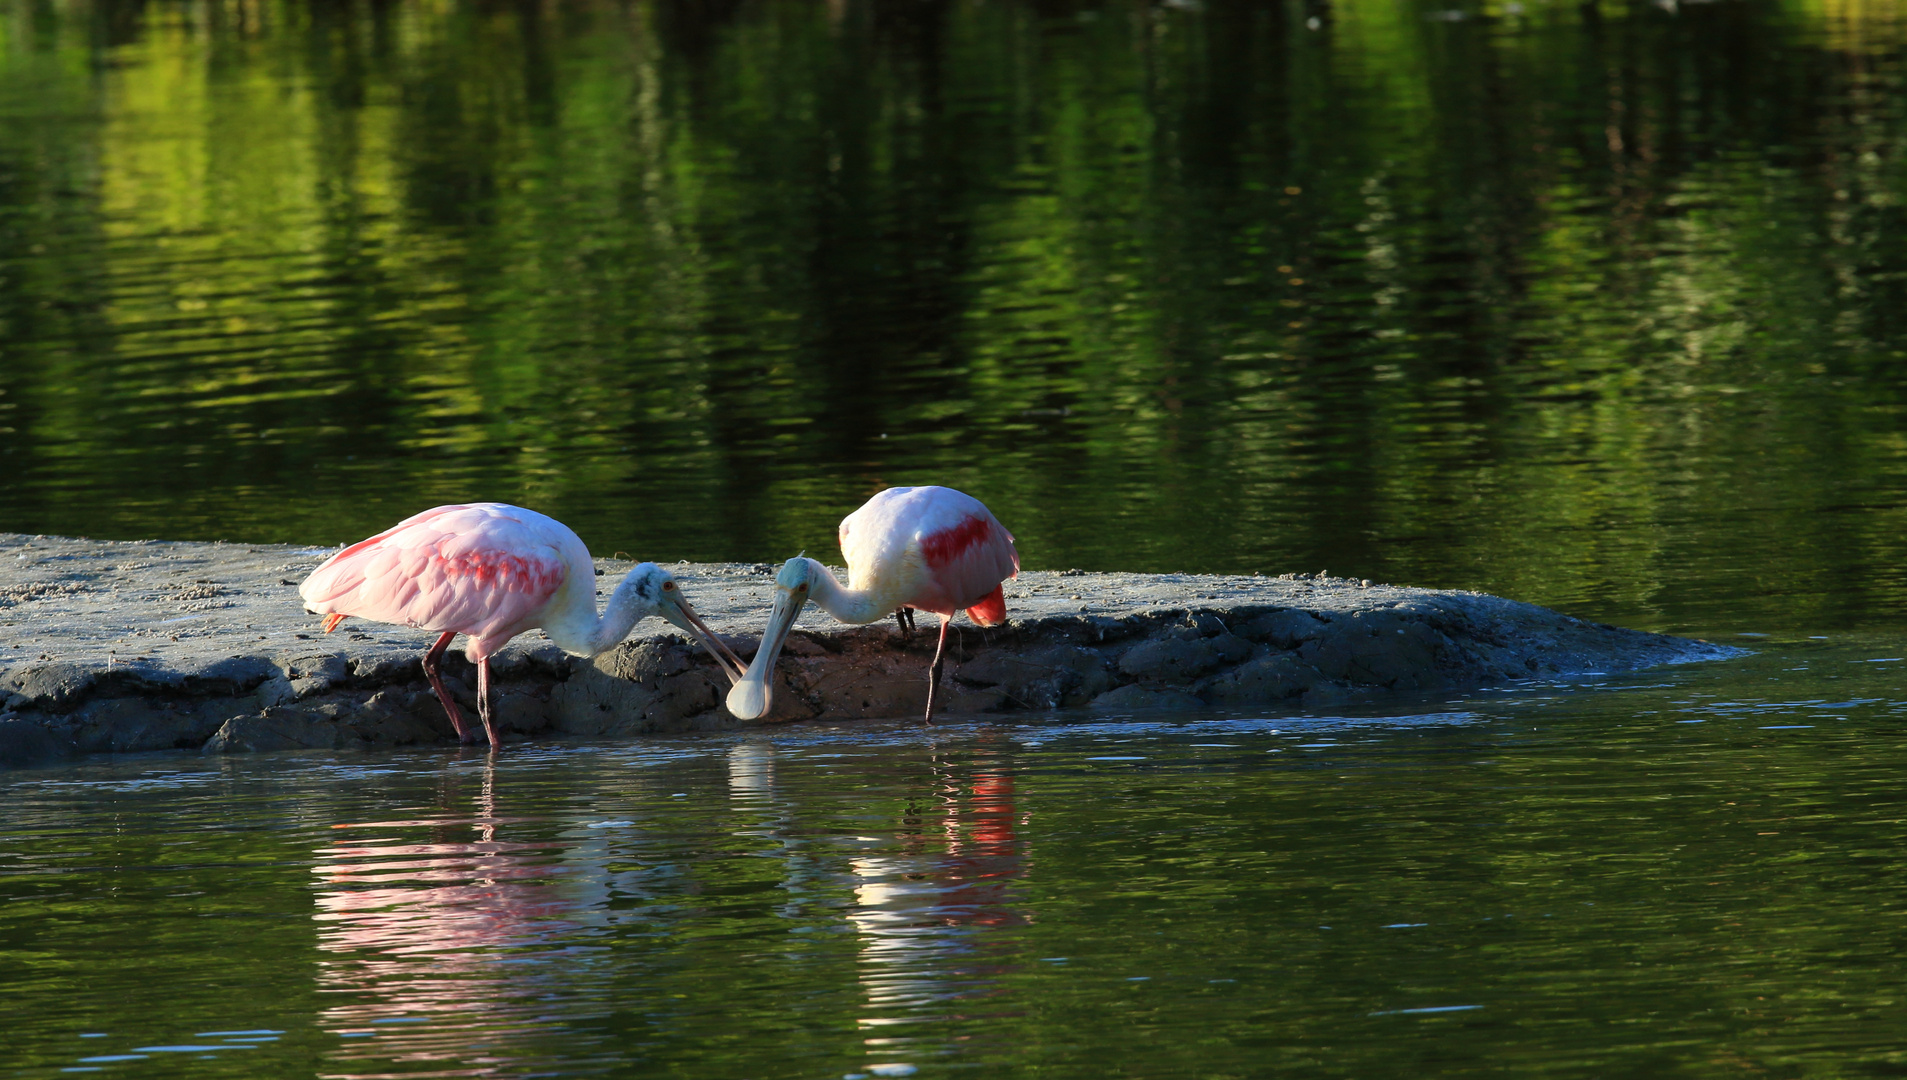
{"x":440,"y":949}
{"x":925,"y":916}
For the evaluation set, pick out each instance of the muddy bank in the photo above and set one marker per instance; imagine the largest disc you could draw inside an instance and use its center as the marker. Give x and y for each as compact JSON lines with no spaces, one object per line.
{"x":119,"y":647}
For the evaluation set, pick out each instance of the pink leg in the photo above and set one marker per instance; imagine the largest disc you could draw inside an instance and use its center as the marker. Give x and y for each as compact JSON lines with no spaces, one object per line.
{"x":483,"y":701}
{"x":432,"y":671}
{"x":933,"y":670}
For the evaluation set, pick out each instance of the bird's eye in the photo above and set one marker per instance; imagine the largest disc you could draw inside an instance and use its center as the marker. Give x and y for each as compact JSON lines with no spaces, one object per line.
{"x":668,"y":584}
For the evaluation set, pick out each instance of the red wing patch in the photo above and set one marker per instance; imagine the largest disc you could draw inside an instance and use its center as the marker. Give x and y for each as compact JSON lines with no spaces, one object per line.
{"x":332,"y":620}
{"x":947,"y":545}
{"x":512,"y":573}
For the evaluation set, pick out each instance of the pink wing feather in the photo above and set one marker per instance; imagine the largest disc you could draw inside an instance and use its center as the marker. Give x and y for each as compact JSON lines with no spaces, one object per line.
{"x":483,"y":569}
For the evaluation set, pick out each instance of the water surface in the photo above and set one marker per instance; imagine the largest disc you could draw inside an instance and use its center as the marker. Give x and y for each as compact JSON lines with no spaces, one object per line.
{"x":1689,"y":872}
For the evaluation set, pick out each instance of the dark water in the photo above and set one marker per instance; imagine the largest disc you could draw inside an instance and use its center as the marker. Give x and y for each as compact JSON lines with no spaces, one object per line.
{"x":1597,"y":306}
{"x":1695,"y":872}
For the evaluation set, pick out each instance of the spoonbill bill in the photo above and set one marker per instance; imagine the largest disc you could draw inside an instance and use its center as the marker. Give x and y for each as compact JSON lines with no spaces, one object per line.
{"x":490,"y":571}
{"x":931,"y":548}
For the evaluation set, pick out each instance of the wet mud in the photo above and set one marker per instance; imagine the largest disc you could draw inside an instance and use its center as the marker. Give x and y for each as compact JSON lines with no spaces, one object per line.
{"x":117,"y":647}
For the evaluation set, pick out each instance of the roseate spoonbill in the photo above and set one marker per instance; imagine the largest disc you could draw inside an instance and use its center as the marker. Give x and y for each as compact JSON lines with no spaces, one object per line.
{"x":931,"y":548}
{"x":491,"y":571}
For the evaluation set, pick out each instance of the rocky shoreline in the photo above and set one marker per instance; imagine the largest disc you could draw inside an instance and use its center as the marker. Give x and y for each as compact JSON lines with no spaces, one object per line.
{"x":118,"y":647}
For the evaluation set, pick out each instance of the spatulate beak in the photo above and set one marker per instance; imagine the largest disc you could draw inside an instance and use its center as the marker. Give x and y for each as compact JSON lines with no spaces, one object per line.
{"x":752,"y":695}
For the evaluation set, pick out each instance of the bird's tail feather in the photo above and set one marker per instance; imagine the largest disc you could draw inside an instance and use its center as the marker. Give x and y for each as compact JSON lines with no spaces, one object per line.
{"x":991,"y":610}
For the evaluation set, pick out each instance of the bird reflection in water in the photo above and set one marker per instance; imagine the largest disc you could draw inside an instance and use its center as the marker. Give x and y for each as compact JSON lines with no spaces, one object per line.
{"x":751,"y":774}
{"x":926,"y":915}
{"x":440,"y":949}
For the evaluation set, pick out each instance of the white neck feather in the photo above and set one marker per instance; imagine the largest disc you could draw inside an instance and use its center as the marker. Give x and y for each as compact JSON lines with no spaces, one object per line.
{"x":587,"y":634}
{"x":852,"y":606}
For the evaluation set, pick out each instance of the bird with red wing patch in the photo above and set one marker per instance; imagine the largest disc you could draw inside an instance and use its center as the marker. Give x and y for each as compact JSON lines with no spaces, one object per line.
{"x":928,"y":548}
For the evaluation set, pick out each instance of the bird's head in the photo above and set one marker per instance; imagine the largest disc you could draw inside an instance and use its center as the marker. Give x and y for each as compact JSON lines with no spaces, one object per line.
{"x":795,"y":576}
{"x":751,"y":696}
{"x":658,"y":589}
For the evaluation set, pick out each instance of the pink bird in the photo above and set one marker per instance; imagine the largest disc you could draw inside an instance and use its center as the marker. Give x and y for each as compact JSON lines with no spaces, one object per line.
{"x":491,"y":571}
{"x":931,"y":548}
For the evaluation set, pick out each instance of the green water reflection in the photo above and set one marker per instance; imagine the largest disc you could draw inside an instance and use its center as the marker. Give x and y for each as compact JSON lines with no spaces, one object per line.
{"x":1598,"y":306}
{"x":1690,"y":873}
